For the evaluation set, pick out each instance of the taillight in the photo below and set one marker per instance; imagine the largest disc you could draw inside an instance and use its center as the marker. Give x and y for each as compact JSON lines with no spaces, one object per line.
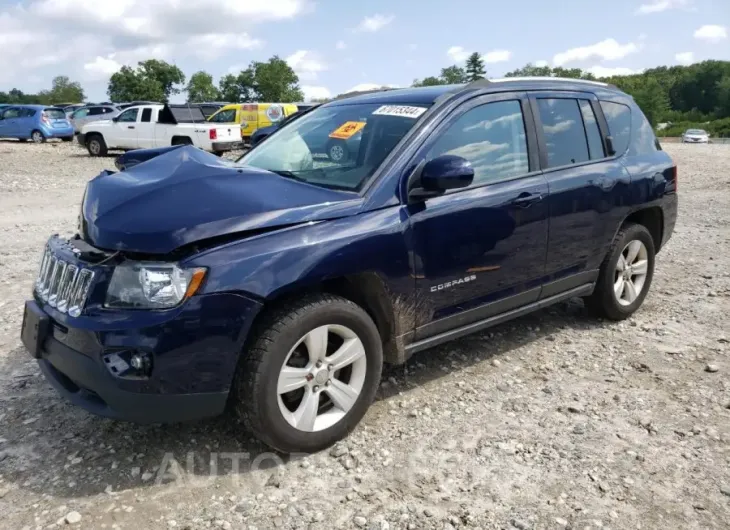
{"x":213,"y":133}
{"x":45,"y":119}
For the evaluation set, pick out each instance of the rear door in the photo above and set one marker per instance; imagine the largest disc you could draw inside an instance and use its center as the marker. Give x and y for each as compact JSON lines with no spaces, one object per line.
{"x":125,"y":129}
{"x":480,"y":251}
{"x":589,"y":190}
{"x":146,"y":129}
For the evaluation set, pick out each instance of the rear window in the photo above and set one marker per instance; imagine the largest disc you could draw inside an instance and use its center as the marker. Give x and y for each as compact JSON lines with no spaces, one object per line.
{"x":54,"y":114}
{"x":618,"y":117}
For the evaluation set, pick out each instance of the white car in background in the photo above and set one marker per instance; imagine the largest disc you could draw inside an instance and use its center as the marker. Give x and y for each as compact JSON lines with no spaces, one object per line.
{"x":149,"y":126}
{"x":695,"y":136}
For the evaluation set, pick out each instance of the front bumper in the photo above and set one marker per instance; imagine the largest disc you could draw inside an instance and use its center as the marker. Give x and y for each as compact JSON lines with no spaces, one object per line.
{"x":194,"y":352}
{"x":225,"y":146}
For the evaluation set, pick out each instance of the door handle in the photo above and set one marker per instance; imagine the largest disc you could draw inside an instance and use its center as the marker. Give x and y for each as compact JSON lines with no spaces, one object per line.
{"x":525,"y":199}
{"x":130,"y":126}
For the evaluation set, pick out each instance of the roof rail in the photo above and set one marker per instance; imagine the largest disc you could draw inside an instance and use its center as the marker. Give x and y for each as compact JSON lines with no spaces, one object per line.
{"x":549,"y":78}
{"x":361,"y":92}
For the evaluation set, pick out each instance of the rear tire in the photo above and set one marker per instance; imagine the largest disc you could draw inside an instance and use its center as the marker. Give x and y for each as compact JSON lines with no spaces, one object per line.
{"x":37,"y":137}
{"x":626,"y":274}
{"x":288,"y":389}
{"x":96,"y":145}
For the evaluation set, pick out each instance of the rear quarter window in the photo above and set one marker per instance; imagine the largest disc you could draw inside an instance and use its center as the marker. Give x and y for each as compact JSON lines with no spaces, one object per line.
{"x":618,"y":117}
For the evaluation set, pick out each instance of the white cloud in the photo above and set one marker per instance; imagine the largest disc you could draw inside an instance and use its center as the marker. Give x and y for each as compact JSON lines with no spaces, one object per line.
{"x":497,"y":56}
{"x":711,"y":33}
{"x":457,"y":54}
{"x":341,"y":45}
{"x":541,"y":63}
{"x":84,"y":38}
{"x":608,"y":50}
{"x":375,"y":22}
{"x":603,"y":71}
{"x":306,"y":64}
{"x":685,"y":58}
{"x":315,"y":92}
{"x":657,"y":6}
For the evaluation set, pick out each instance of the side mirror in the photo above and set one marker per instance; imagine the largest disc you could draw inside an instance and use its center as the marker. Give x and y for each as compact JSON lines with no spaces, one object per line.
{"x":433,"y":178}
{"x":115,"y":119}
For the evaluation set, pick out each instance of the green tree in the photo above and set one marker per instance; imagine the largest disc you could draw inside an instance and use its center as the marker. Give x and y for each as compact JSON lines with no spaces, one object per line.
{"x":453,"y":75}
{"x":167,"y":75}
{"x":723,"y":97}
{"x":130,"y":85}
{"x":270,"y":81}
{"x":652,"y":100}
{"x":428,"y":81}
{"x":475,"y":67}
{"x":201,"y":88}
{"x":63,"y":90}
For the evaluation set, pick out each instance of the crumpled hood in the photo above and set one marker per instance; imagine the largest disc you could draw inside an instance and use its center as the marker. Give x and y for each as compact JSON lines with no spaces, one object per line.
{"x":188,"y":195}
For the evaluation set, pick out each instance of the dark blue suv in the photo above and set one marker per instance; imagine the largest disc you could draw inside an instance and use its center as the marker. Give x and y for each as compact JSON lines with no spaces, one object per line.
{"x":280,"y":283}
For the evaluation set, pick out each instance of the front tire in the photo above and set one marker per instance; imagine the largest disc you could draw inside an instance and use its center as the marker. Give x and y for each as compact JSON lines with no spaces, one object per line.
{"x":310,"y":374}
{"x":337,"y":151}
{"x":626,"y":274}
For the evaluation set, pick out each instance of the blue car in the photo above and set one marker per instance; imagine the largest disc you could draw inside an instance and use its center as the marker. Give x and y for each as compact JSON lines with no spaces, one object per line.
{"x":35,"y":122}
{"x":277,"y":285}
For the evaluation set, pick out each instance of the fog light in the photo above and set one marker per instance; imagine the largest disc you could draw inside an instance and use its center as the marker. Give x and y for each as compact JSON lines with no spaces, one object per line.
{"x":141,"y":362}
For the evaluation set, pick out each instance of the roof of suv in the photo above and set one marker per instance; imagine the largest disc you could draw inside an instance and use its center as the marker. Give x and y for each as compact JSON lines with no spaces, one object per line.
{"x":429,"y":94}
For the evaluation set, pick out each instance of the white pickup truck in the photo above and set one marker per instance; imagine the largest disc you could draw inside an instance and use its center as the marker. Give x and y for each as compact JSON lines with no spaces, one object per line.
{"x":146,"y":126}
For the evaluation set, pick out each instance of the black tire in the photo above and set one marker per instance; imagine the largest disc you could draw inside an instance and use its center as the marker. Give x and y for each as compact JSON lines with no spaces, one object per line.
{"x":254,"y":394}
{"x":603,"y":301}
{"x":37,"y":137}
{"x":22,"y":140}
{"x":95,"y":145}
{"x":337,"y":151}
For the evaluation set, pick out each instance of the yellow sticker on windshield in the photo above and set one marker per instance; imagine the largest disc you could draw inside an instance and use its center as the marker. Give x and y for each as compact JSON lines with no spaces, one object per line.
{"x":347,"y":130}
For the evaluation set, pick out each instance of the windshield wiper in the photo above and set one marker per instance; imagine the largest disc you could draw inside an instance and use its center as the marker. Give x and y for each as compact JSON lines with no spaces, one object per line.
{"x":288,"y":174}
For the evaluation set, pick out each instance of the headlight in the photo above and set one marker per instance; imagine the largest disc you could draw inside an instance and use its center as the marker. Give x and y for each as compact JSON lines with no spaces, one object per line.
{"x":152,"y":285}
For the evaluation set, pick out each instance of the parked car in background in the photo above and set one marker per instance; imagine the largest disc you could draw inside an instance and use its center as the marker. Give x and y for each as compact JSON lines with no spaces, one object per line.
{"x":695,"y":136}
{"x":262,"y":133}
{"x":148,"y":126}
{"x":70,"y":109}
{"x":35,"y":122}
{"x":252,"y":116}
{"x":88,"y":114}
{"x":277,"y":287}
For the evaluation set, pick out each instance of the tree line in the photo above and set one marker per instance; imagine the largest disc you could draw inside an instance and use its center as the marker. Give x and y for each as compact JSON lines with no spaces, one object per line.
{"x":694,"y":96}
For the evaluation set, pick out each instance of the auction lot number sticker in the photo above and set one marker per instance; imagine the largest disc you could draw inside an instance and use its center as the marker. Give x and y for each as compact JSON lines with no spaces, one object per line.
{"x":399,"y":110}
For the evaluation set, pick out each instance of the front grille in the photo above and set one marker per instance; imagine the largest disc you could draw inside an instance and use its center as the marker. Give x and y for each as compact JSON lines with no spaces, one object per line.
{"x":63,"y":285}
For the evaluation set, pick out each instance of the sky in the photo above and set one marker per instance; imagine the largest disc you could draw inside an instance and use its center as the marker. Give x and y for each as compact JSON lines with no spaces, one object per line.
{"x":337,"y":46}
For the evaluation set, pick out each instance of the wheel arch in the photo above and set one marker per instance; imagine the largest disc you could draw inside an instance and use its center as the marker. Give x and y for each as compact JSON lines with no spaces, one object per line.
{"x":175,"y":139}
{"x":652,"y":218}
{"x":392,"y":315}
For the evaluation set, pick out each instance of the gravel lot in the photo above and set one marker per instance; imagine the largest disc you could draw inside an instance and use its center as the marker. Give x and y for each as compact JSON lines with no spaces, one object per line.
{"x":555,"y":420}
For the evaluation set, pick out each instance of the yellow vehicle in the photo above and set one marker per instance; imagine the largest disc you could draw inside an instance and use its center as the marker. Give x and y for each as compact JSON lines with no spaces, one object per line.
{"x":253,"y":116}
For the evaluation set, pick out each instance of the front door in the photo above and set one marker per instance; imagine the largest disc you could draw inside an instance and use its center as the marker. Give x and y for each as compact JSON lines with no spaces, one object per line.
{"x":9,"y":124}
{"x":126,"y":129}
{"x":480,"y":251}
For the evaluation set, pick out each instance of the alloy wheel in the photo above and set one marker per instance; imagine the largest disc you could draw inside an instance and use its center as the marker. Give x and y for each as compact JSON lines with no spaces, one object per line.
{"x":632,"y":268}
{"x":37,"y":137}
{"x":321,"y":378}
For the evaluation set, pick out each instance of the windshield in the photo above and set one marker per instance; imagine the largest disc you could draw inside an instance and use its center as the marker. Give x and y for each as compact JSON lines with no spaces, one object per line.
{"x":695,"y":131}
{"x":336,"y":147}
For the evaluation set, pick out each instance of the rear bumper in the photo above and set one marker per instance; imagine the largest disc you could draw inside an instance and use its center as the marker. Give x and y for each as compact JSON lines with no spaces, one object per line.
{"x":225,"y":146}
{"x":53,"y":132}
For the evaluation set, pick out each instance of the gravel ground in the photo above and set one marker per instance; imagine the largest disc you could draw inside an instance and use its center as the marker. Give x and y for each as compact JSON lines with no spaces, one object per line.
{"x":555,"y":420}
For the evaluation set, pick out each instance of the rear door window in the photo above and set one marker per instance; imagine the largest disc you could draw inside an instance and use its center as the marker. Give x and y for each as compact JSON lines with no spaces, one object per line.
{"x":54,"y":114}
{"x":618,"y":117}
{"x":562,"y":127}
{"x":593,"y":134}
{"x":96,"y":111}
{"x":81,"y":113}
{"x":146,"y":115}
